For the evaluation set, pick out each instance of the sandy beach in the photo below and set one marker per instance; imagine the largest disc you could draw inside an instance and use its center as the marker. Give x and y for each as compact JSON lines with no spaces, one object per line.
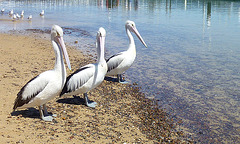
{"x":122,"y":115}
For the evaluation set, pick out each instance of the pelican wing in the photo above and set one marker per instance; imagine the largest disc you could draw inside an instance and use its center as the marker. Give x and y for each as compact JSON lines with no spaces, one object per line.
{"x":114,"y":61}
{"x":77,"y":79}
{"x":30,"y":90}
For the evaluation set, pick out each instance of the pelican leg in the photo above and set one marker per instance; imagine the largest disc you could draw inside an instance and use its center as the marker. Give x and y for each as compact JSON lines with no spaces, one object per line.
{"x":88,"y":103}
{"x":46,"y":112}
{"x":120,"y":80}
{"x":45,"y":109}
{"x":45,"y":118}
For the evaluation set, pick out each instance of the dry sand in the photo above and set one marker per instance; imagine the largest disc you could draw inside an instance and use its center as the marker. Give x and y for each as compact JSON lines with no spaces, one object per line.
{"x":122,"y":114}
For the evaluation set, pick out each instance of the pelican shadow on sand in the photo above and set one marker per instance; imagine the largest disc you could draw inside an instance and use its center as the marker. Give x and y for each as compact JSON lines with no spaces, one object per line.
{"x":75,"y":100}
{"x":28,"y":113}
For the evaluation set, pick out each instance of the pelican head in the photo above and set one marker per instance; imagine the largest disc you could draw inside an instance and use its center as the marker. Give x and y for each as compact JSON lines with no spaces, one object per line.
{"x":130,"y":25}
{"x":101,"y":34}
{"x":57,"y":36}
{"x":56,"y":32}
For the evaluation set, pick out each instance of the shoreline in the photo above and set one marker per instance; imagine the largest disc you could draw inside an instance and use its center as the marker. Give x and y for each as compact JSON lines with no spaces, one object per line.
{"x":123,"y":113}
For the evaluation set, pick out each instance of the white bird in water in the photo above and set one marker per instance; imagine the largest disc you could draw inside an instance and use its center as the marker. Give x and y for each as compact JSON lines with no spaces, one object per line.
{"x":89,"y":76}
{"x":2,"y":10}
{"x":39,"y":90}
{"x":22,"y":14}
{"x":14,"y":17}
{"x":119,"y":63}
{"x":30,"y":17}
{"x":42,"y":13}
{"x":10,"y":12}
{"x":17,"y":15}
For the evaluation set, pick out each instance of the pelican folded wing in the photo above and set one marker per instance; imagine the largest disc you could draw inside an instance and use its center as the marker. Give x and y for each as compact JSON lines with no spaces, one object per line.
{"x":114,"y":61}
{"x":29,"y":91}
{"x":77,"y":80}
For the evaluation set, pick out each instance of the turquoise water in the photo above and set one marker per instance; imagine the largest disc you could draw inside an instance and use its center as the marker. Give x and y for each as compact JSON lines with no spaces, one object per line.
{"x":191,"y":65}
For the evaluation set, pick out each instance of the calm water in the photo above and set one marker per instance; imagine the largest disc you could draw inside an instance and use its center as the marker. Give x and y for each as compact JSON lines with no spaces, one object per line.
{"x":191,"y":64}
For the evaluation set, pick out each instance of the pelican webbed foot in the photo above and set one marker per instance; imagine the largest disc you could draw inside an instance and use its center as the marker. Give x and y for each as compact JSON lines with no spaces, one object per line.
{"x":120,"y":80}
{"x":44,"y":115}
{"x":88,"y":103}
{"x":47,"y":118}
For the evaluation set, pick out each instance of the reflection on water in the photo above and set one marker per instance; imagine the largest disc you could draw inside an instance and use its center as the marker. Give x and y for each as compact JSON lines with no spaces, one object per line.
{"x":209,"y":14}
{"x":191,"y":65}
{"x":112,"y":3}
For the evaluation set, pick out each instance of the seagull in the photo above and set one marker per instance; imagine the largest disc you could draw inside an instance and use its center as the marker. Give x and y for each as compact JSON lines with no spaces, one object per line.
{"x":11,"y":12}
{"x":2,"y":10}
{"x":22,"y":14}
{"x":42,"y":13}
{"x":17,"y":15}
{"x":44,"y":87}
{"x":119,"y":63}
{"x":89,"y":76}
{"x":30,"y":17}
{"x":14,"y":17}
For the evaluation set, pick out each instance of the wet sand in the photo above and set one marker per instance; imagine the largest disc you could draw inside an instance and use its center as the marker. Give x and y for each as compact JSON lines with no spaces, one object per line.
{"x":123,"y":114}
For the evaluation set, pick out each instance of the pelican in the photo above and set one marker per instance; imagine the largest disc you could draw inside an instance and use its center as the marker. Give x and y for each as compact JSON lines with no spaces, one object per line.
{"x":42,"y":13}
{"x":30,"y":17}
{"x":11,"y":12}
{"x":89,"y":76}
{"x":119,"y":63}
{"x":39,"y":90}
{"x":22,"y":14}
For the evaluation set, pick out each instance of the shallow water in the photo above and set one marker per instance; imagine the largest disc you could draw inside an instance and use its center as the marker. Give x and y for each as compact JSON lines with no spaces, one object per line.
{"x":191,"y":65}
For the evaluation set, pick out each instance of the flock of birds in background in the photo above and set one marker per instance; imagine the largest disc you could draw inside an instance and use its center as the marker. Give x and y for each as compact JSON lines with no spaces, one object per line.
{"x":44,"y":87}
{"x":16,"y":16}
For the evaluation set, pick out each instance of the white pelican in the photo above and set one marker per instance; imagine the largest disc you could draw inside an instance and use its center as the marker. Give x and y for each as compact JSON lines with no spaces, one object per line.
{"x":39,"y":90}
{"x":89,"y":76}
{"x":119,"y":63}
{"x":10,"y":12}
{"x":22,"y":14}
{"x":30,"y":17}
{"x":42,"y":13}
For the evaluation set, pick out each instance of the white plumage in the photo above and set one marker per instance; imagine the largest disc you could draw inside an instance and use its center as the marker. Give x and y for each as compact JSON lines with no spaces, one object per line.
{"x":14,"y":17}
{"x":10,"y":12}
{"x":30,"y":17}
{"x":90,"y":76}
{"x":41,"y":13}
{"x":22,"y":14}
{"x":119,"y":63}
{"x":17,"y":15}
{"x":48,"y":84}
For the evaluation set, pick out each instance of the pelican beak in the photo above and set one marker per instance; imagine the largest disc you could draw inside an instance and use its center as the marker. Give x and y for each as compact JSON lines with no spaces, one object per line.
{"x":64,"y":50}
{"x":102,"y":42}
{"x":139,"y":36}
